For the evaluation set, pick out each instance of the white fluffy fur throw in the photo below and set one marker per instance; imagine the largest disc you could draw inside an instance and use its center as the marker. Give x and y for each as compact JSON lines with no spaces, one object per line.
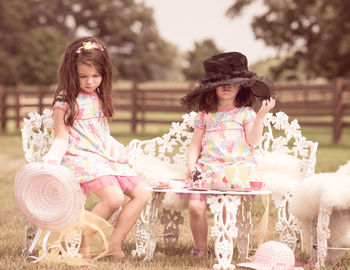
{"x":154,"y":170}
{"x":280,"y":172}
{"x":327,"y":190}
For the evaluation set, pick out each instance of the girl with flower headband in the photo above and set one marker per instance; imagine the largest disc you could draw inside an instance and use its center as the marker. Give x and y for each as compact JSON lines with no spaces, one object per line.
{"x":225,"y":129}
{"x":82,"y":104}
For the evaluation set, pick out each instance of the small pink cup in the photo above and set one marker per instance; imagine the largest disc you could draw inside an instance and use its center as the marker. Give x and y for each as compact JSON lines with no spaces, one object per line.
{"x":177,"y":183}
{"x":256,"y":185}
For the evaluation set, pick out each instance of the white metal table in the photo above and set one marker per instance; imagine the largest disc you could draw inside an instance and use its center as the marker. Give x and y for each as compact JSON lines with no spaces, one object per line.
{"x":234,"y":205}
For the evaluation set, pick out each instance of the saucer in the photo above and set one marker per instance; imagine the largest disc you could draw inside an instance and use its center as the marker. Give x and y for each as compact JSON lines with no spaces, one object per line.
{"x":197,"y":188}
{"x":161,"y":187}
{"x":242,"y":189}
{"x":221,"y":188}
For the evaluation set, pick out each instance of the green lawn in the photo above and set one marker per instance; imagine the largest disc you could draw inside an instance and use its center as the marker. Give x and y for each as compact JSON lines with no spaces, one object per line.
{"x":329,"y":158}
{"x":329,"y":155}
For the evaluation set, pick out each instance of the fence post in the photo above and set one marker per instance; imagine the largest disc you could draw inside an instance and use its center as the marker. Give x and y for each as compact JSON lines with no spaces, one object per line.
{"x":142,"y":109}
{"x":3,"y":107}
{"x":18,"y":107}
{"x":337,"y":109}
{"x":134,"y":107}
{"x":41,"y":97}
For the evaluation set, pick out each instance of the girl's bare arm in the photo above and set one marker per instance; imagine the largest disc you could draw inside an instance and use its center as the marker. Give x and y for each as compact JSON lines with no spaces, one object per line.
{"x":61,"y":130}
{"x":255,"y":129}
{"x":194,"y":149}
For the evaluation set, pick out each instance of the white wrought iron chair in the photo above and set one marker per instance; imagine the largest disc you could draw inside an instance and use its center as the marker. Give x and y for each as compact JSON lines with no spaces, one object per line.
{"x":281,"y":136}
{"x":37,"y":135}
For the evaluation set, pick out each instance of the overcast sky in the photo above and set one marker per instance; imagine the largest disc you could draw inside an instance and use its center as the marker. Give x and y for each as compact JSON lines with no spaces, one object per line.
{"x":182,"y":22}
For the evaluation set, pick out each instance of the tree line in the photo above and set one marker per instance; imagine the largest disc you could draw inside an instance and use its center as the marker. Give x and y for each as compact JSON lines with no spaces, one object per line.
{"x":313,"y":38}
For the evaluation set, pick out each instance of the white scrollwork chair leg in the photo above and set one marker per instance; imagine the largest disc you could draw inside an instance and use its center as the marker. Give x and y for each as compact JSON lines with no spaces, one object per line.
{"x":287,"y":225}
{"x":29,"y":237}
{"x":171,"y":221}
{"x":323,"y":234}
{"x":312,"y":242}
{"x":114,"y":217}
{"x":244,"y":225}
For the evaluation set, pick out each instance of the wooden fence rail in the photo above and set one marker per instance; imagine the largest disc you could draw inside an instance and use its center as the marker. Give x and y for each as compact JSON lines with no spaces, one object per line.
{"x":313,"y":105}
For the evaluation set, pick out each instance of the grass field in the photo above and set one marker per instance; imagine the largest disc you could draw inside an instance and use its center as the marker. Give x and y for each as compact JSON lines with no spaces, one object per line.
{"x":329,"y":158}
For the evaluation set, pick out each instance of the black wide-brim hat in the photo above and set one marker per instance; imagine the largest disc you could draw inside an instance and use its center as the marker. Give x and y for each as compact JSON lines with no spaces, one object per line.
{"x":230,"y":68}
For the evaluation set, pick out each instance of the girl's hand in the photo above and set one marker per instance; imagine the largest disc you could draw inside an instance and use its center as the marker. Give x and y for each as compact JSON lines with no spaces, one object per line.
{"x":52,"y":162}
{"x":190,"y":169}
{"x":254,"y":130}
{"x":56,"y":152}
{"x":194,"y":173}
{"x":266,"y":106}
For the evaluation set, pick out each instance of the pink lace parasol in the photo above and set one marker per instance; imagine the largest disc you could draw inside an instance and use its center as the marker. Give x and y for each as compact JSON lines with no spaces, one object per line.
{"x":49,"y":196}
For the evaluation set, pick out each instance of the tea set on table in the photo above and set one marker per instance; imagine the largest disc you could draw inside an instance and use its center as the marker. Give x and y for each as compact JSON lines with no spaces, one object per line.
{"x":235,"y":179}
{"x":229,"y":199}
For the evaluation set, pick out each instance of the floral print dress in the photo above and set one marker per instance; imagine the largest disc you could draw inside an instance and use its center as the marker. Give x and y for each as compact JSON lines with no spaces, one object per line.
{"x":224,"y":143}
{"x":90,"y":147}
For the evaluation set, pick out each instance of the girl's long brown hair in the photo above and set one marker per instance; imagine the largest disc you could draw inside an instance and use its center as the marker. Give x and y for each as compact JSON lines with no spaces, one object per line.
{"x":68,"y":86}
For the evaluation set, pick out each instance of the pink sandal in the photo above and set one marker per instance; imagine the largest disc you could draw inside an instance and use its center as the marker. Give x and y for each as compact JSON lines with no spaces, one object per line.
{"x":197,"y":252}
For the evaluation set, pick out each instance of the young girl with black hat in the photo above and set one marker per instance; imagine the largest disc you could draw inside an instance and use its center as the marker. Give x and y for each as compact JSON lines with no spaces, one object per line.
{"x":226,"y":127}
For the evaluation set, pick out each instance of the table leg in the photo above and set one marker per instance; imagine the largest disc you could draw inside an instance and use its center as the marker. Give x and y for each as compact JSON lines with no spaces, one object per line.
{"x":244,"y":225}
{"x":147,"y":228}
{"x":171,"y":221}
{"x":224,"y":208}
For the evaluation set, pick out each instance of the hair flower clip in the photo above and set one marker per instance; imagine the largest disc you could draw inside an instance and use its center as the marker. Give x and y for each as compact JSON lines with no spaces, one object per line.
{"x":89,"y":46}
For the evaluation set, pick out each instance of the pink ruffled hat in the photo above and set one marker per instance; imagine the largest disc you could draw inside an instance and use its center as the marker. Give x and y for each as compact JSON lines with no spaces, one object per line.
{"x":272,"y":255}
{"x":49,"y":196}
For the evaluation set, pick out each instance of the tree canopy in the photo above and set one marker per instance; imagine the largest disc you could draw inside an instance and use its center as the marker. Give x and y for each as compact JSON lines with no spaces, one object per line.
{"x":35,"y":33}
{"x":202,"y":49}
{"x":313,"y":34}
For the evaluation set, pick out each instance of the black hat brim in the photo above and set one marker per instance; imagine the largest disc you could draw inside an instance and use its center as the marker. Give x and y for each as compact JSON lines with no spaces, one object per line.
{"x":260,"y":89}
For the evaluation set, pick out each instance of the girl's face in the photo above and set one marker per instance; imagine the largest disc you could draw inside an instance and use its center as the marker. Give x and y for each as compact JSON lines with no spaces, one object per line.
{"x":227,"y":92}
{"x":89,"y":78}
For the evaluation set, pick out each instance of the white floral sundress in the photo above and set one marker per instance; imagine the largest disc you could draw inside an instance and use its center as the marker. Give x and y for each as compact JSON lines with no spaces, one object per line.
{"x":224,"y":142}
{"x":89,"y":153}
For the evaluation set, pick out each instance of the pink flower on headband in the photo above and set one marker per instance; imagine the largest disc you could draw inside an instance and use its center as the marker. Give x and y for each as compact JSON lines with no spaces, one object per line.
{"x":89,"y":46}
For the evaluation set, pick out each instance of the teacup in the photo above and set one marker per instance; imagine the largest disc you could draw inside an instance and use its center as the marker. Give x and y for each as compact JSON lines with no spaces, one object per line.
{"x":177,"y":183}
{"x":163,"y":183}
{"x":256,"y":185}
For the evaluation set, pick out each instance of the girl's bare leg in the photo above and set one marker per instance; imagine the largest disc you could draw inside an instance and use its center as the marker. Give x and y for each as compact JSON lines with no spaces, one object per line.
{"x":112,"y":198}
{"x":139,"y":197}
{"x":198,"y":224}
